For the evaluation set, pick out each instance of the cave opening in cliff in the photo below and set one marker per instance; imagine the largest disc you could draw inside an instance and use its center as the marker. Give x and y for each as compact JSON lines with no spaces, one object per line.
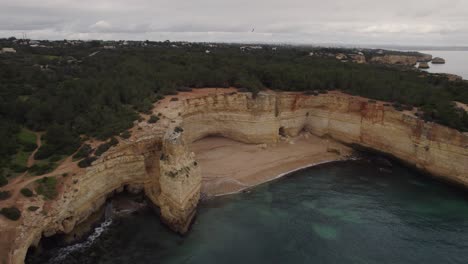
{"x":122,"y":201}
{"x":282,"y":132}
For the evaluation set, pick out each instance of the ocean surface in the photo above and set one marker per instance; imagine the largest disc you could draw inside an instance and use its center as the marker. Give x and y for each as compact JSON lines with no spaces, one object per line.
{"x":456,"y":62}
{"x":346,"y":212}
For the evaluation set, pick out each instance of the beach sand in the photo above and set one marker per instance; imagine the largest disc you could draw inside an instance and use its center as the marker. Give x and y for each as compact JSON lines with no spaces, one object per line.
{"x":248,"y":165}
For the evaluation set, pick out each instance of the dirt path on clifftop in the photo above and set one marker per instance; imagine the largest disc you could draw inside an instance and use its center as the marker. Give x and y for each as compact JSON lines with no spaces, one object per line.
{"x":31,"y":159}
{"x":25,"y":179}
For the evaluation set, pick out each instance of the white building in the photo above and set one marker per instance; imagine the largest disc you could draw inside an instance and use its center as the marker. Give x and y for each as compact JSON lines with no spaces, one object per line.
{"x":8,"y":50}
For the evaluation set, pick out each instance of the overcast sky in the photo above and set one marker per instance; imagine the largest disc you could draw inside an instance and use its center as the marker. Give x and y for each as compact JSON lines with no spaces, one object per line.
{"x":406,"y":22}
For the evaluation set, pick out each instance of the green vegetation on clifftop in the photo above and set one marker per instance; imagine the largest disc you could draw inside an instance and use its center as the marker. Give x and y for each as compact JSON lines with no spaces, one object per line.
{"x":67,"y":93}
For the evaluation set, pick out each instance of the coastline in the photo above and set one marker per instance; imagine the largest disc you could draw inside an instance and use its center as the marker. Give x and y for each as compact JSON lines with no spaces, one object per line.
{"x":268,"y":125}
{"x":246,"y":166}
{"x":281,"y":175}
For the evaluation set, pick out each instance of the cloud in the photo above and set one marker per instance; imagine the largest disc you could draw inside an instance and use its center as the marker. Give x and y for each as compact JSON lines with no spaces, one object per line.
{"x":303,"y":21}
{"x":101,"y":26}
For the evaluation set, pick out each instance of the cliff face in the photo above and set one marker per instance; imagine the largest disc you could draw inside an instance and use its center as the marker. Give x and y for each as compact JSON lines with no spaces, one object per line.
{"x":158,"y":159}
{"x":408,"y":60}
{"x":134,"y":166}
{"x":434,"y":148}
{"x":180,"y":183}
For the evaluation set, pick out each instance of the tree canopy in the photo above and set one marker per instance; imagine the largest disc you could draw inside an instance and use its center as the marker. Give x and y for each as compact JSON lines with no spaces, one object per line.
{"x":68,"y":93}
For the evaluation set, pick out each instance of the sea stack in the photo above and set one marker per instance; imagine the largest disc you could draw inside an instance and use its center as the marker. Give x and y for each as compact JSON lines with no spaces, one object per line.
{"x":438,"y":60}
{"x":423,"y":65}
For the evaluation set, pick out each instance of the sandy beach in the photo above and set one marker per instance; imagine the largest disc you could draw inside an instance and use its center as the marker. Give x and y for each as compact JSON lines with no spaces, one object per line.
{"x":248,"y":165}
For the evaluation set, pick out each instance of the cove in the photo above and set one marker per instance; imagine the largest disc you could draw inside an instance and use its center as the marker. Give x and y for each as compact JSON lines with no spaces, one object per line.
{"x":342,"y":212}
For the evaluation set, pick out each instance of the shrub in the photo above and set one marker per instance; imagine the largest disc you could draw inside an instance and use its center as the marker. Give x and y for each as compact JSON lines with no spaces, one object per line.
{"x":4,"y":195}
{"x":59,"y":140}
{"x":169,"y":92}
{"x":55,"y":158}
{"x":28,"y":147}
{"x":11,"y":213}
{"x":86,"y":162}
{"x":113,"y":141}
{"x":41,"y":169}
{"x":173,"y":99}
{"x":126,"y":134}
{"x":44,"y":152}
{"x":47,"y":187}
{"x":407,"y":107}
{"x":18,"y":168}
{"x":83,"y":152}
{"x":26,"y":192}
{"x":3,"y":181}
{"x":397,"y":106}
{"x":102,"y":148}
{"x":106,"y":146}
{"x":33,"y":208}
{"x":153,"y":119}
{"x":184,"y":89}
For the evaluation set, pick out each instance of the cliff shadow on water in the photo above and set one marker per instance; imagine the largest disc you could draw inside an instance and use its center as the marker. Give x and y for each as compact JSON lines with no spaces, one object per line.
{"x":385,"y":160}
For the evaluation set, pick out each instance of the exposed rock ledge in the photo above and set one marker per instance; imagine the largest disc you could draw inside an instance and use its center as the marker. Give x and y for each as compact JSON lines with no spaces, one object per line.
{"x":408,"y":60}
{"x":157,"y":158}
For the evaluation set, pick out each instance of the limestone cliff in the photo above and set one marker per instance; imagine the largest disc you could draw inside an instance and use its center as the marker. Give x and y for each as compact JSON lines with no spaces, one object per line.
{"x":431,"y":147}
{"x":180,"y":182}
{"x":408,"y":60}
{"x":158,"y":158}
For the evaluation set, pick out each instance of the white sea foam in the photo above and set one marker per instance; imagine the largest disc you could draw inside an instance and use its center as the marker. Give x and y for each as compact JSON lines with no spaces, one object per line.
{"x":64,"y":252}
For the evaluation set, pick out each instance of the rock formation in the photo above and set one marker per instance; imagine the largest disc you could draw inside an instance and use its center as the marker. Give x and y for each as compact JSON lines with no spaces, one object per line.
{"x":424,"y":57}
{"x":158,"y":159}
{"x":358,"y":58}
{"x":341,"y":56}
{"x":438,"y":60}
{"x":180,"y":183}
{"x":423,"y":65}
{"x":407,"y":60}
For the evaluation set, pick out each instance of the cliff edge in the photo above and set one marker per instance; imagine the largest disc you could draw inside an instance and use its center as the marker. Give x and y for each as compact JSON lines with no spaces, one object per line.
{"x":157,"y":159}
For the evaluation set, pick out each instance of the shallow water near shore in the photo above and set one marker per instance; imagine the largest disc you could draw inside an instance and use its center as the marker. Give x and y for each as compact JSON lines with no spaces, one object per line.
{"x":343,"y":212}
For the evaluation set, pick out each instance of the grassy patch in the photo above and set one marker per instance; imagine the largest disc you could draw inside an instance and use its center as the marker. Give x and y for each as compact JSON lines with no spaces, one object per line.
{"x":21,"y":158}
{"x":47,"y":187}
{"x":27,"y":143}
{"x":26,"y":136}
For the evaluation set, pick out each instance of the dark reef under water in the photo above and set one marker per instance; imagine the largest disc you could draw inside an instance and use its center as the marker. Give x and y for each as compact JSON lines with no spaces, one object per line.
{"x":344,"y":212}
